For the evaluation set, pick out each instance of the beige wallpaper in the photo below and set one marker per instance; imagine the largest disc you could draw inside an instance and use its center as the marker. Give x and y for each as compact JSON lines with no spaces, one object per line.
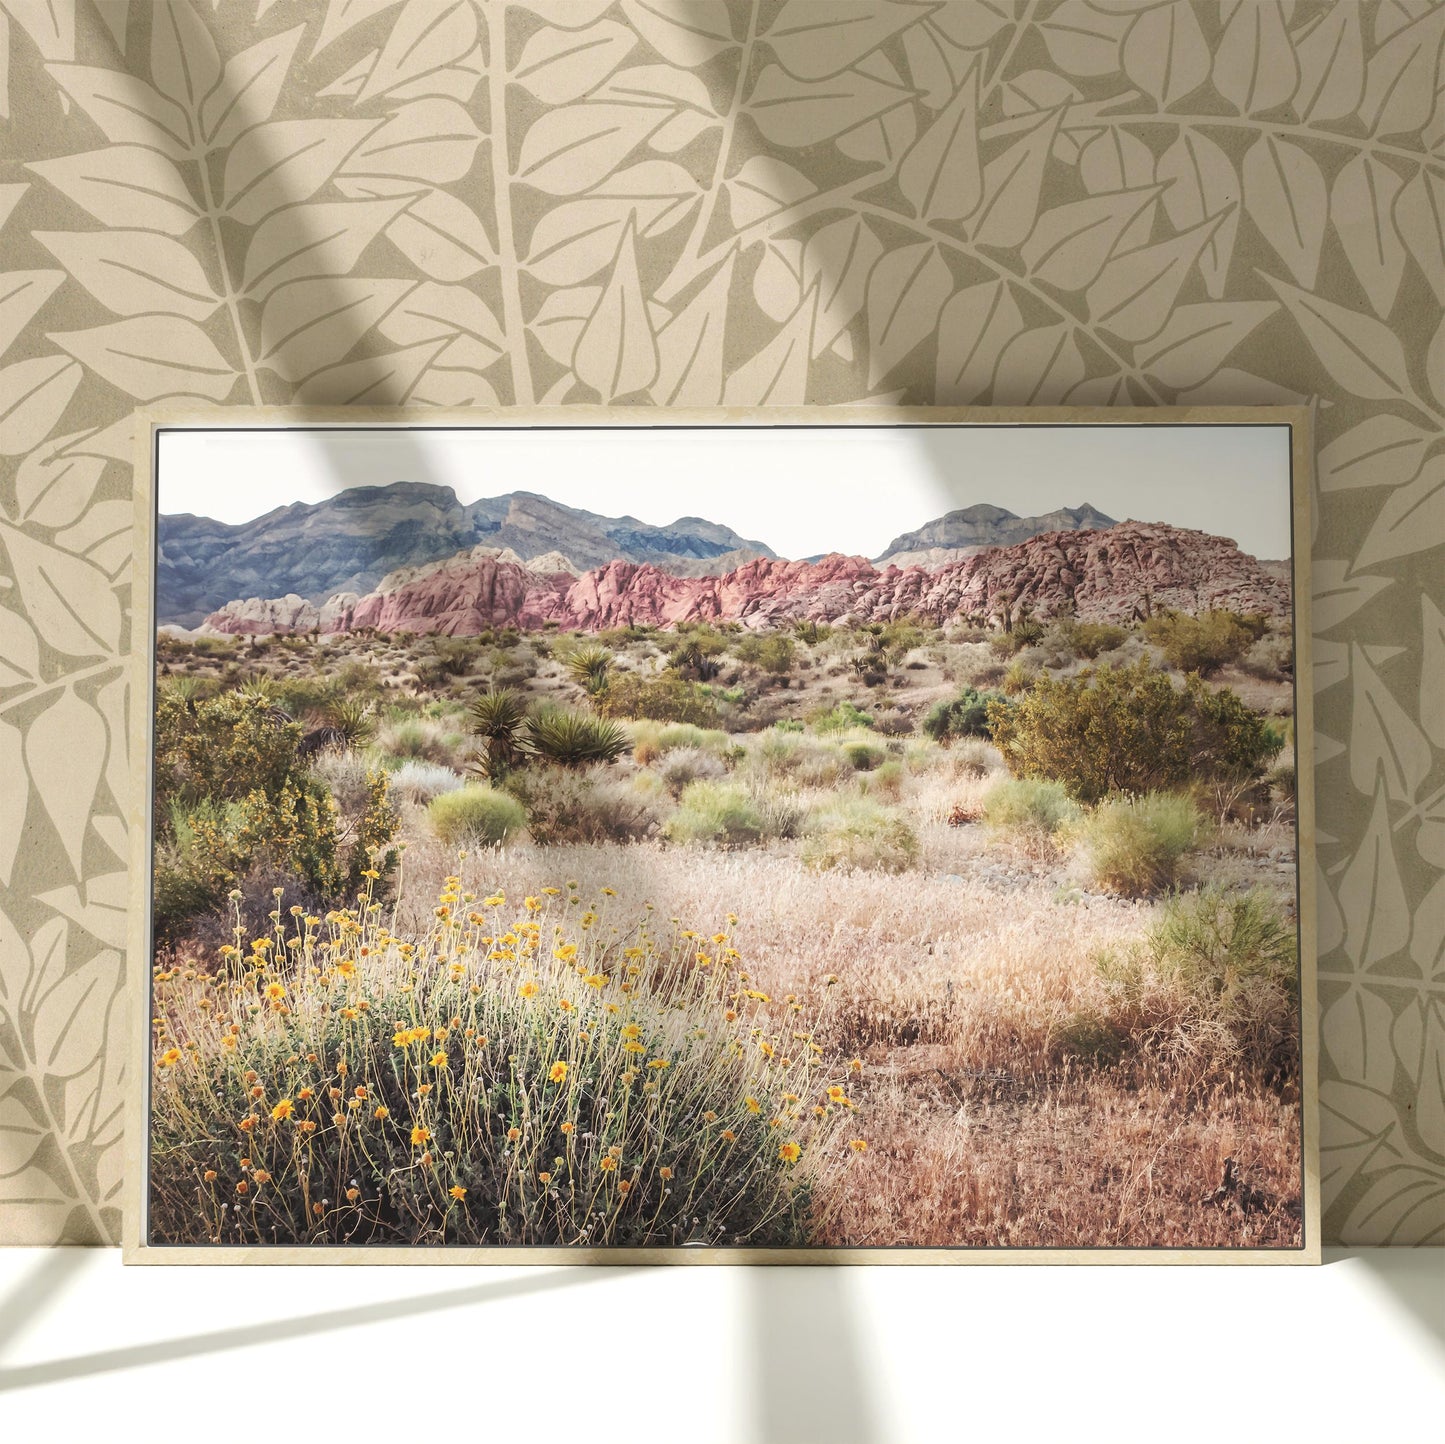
{"x":701,"y":201}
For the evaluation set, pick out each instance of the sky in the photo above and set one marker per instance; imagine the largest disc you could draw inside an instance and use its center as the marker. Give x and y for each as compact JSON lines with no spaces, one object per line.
{"x":802,"y":491}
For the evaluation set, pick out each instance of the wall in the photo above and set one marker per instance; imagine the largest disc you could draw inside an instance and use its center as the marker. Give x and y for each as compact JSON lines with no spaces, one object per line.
{"x":694,"y":202}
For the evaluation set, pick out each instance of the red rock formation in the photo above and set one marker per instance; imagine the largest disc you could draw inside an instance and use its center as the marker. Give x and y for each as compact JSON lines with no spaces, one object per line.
{"x":1110,"y":575}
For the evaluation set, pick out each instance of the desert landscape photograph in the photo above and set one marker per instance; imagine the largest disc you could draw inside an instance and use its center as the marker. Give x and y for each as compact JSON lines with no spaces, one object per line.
{"x":750,"y":837}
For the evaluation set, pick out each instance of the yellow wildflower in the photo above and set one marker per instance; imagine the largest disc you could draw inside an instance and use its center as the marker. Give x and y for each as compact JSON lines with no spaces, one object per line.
{"x":283,"y":1110}
{"x":558,"y":1072}
{"x":790,"y":1153}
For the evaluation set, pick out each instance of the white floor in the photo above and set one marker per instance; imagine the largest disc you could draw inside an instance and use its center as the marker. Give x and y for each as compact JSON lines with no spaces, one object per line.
{"x":1352,"y":1352}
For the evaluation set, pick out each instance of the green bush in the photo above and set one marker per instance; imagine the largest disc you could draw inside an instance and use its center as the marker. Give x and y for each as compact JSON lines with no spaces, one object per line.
{"x":590,"y":667}
{"x":477,"y":814}
{"x":1137,"y":845}
{"x":574,"y":739}
{"x":855,"y":832}
{"x":964,"y":716}
{"x":1028,"y":804}
{"x":1206,"y":642}
{"x":863,"y":756}
{"x":665,"y":698}
{"x":715,"y":812}
{"x":841,"y":718}
{"x":1129,"y":729}
{"x":1084,"y":639}
{"x":773,"y":652}
{"x":567,"y":806}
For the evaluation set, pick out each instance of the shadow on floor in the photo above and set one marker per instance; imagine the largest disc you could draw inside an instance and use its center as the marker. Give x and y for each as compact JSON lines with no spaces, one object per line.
{"x":1412,"y":1278}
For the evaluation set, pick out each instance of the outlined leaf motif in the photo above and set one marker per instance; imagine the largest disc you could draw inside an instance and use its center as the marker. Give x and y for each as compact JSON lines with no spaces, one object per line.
{"x":432,"y":140}
{"x":1071,"y":243}
{"x":1432,"y":671}
{"x":815,"y":41}
{"x":112,"y":700}
{"x":1083,"y":39}
{"x":617,"y":350}
{"x":883,"y":141}
{"x":65,"y":752}
{"x":1136,"y":291}
{"x":1400,"y":77}
{"x":1165,"y":53}
{"x":677,"y":94}
{"x":975,"y":326}
{"x":1362,"y":200}
{"x":795,"y":113}
{"x":1286,"y":197}
{"x":185,"y":64}
{"x":1404,"y":1203}
{"x":1115,"y":160}
{"x":1420,"y":216}
{"x":1039,"y":368}
{"x":102,"y":535}
{"x":778,"y":279}
{"x":124,"y":186}
{"x":1427,"y":936}
{"x":19,"y":650}
{"x":54,"y":490}
{"x":1197,"y":338}
{"x":1382,"y":450}
{"x":1200,"y":183}
{"x":387,"y":380}
{"x":134,"y":273}
{"x":14,"y":799}
{"x":906,"y":292}
{"x":286,"y":161}
{"x":1329,"y":921}
{"x":1338,"y":594}
{"x":762,"y":187}
{"x":686,"y":35}
{"x":443,"y":237}
{"x":10,"y":196}
{"x":1435,"y":363}
{"x":22,"y":294}
{"x":570,"y":149}
{"x":838,"y":258}
{"x":321,"y":238}
{"x":1332,"y":65}
{"x":100,"y":910}
{"x":68,"y":599}
{"x":1355,"y":1037}
{"x":928,"y":55}
{"x":428,"y":36}
{"x":558,"y":66}
{"x":345,"y":15}
{"x":1386,"y":744}
{"x":308,"y":325}
{"x":249,"y":88}
{"x":127,"y":110}
{"x":1418,"y":1037}
{"x":431,"y":312}
{"x":778,"y":374}
{"x":149,"y":357}
{"x":49,"y":24}
{"x":33,"y":397}
{"x":1362,"y":354}
{"x":63,"y":1050}
{"x":1411,"y":520}
{"x":1254,"y":65}
{"x":560,"y":318}
{"x":690,"y":345}
{"x":941,"y":176}
{"x":1372,"y":894}
{"x":1011,"y":185}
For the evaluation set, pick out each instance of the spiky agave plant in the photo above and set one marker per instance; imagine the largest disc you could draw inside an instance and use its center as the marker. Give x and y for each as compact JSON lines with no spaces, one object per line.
{"x":573,"y":739}
{"x":354,"y":722}
{"x":496,"y":717}
{"x":590,"y":667}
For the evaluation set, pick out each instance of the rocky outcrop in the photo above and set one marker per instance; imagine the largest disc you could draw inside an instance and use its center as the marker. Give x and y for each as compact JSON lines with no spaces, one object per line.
{"x":1118,"y":574}
{"x":972,"y":529}
{"x":350,"y":541}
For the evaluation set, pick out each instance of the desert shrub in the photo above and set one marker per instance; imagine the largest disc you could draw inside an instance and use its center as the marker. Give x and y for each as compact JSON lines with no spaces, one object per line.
{"x":863,"y":756}
{"x":772,"y":652}
{"x":855,"y":832}
{"x":1270,"y":659}
{"x":1029,"y":804}
{"x":352,"y":720}
{"x":1019,"y":677}
{"x":690,"y":764}
{"x":589,"y":668}
{"x":420,"y":738}
{"x":965,"y":715}
{"x":1136,"y":845}
{"x":1084,"y":639}
{"x":782,"y":814}
{"x":811,"y":632}
{"x":496,"y":717}
{"x":718,"y":813}
{"x":476,"y":815}
{"x":564,"y":805}
{"x":421,"y":782}
{"x":573,"y":739}
{"x":796,"y":758}
{"x":664,"y":698}
{"x":886,"y":782}
{"x":840,"y":718}
{"x":788,"y":724}
{"x":1206,"y":642}
{"x":1129,"y":729}
{"x":1209,"y":997}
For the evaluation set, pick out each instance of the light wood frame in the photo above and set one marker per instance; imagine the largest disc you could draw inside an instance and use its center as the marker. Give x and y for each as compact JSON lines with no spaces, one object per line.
{"x":150,"y":422}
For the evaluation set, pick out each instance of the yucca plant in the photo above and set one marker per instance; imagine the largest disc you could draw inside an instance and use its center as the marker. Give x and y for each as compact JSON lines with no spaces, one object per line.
{"x":574,"y":739}
{"x":589,"y":666}
{"x":353,"y":721}
{"x":496,"y":717}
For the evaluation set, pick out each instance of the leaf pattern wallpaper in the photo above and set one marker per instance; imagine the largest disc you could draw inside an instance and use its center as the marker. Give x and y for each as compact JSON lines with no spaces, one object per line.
{"x":702,"y":202}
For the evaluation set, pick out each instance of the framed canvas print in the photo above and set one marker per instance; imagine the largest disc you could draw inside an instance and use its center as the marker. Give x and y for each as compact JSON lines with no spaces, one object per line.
{"x":864,"y":835}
